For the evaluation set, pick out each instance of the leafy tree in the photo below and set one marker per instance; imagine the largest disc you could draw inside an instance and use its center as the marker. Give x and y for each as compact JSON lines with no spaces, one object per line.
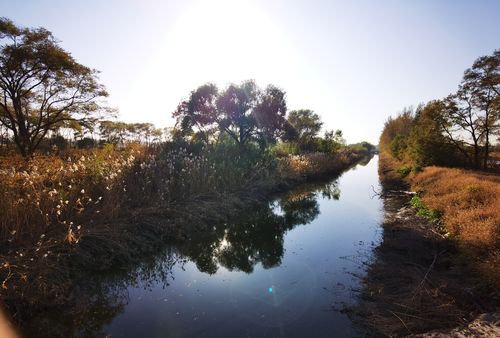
{"x":398,"y":127}
{"x":307,"y":124}
{"x":41,"y":85}
{"x":198,"y":112}
{"x":114,"y":132}
{"x":426,"y":143}
{"x":270,"y":115}
{"x":329,"y":143}
{"x":398,"y":146}
{"x":243,"y":112}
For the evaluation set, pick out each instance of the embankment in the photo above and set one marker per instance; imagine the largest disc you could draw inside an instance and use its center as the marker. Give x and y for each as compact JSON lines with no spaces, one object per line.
{"x":424,"y":278}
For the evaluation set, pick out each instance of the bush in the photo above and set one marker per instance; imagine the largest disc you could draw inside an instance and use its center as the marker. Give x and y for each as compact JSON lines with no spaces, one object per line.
{"x":398,"y":146}
{"x":284,"y":149}
{"x":404,"y":171}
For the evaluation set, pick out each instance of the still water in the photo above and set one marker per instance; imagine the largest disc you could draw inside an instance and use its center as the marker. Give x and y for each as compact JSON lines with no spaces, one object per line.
{"x":281,"y":270}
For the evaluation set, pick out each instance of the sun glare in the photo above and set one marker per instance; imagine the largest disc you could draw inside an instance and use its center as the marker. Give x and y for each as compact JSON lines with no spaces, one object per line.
{"x":218,"y":41}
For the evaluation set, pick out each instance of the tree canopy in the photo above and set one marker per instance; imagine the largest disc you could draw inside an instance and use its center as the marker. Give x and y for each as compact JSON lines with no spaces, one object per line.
{"x":306,"y":123}
{"x":42,"y":87}
{"x":243,"y":112}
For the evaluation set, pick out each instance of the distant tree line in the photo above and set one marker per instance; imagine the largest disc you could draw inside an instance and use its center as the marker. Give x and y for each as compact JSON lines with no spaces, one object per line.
{"x":248,"y":115}
{"x":459,"y":130}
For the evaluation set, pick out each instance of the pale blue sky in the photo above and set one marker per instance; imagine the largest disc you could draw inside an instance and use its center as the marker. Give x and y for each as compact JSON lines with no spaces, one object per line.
{"x":353,"y":62}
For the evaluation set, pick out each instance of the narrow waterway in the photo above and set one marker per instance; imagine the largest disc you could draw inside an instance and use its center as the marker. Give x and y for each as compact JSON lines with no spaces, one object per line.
{"x":284,"y":269}
{"x":281,"y":270}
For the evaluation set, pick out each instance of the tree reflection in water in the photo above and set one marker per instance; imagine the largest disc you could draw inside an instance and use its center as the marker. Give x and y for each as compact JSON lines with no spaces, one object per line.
{"x":257,"y":236}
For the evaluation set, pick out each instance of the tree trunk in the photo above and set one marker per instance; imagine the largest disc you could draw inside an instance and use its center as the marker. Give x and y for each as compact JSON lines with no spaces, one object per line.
{"x":476,"y":155}
{"x":487,"y":138}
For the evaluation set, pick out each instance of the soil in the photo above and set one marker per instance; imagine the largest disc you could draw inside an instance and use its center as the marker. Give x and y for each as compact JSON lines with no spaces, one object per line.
{"x":419,"y":283}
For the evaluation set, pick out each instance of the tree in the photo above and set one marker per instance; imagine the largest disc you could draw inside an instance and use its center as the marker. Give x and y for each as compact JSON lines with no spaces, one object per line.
{"x":483,"y":81}
{"x":114,"y":132}
{"x":242,"y":112}
{"x":331,"y":142}
{"x":198,"y":112}
{"x":41,"y":85}
{"x":426,"y":143}
{"x":306,"y":122}
{"x":270,"y":115}
{"x":462,"y":125}
{"x":398,"y":127}
{"x":473,"y":112}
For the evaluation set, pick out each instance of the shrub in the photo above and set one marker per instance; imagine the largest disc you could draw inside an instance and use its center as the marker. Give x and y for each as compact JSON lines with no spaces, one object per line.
{"x":404,"y":171}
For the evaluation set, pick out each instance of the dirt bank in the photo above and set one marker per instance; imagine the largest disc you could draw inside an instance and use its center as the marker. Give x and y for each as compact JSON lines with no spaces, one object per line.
{"x":419,"y":281}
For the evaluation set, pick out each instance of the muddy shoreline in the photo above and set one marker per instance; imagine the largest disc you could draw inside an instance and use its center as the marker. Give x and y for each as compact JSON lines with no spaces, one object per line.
{"x":419,"y":282}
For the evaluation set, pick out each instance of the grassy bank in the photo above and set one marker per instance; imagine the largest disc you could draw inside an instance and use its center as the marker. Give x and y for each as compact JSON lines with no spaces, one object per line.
{"x":66,"y":217}
{"x":464,"y":203}
{"x":427,"y":274}
{"x":469,"y":208}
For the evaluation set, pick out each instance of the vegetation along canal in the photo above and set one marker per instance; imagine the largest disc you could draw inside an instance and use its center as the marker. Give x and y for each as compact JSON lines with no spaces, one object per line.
{"x":283,"y":269}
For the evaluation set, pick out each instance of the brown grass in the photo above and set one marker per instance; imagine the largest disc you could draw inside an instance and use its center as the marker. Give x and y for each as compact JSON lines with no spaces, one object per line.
{"x":298,"y":167}
{"x":469,"y":203}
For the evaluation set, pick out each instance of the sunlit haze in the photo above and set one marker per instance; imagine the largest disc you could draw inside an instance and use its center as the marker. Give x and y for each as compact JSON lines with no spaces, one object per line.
{"x":353,"y":62}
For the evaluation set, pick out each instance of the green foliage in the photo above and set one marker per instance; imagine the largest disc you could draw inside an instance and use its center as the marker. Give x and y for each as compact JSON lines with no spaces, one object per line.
{"x":398,"y":146}
{"x":404,"y":171}
{"x":430,"y":214}
{"x":363,"y":147}
{"x":418,"y":138}
{"x":86,"y":143}
{"x":400,"y":125}
{"x":306,"y":123}
{"x":284,"y":149}
{"x":416,"y":169}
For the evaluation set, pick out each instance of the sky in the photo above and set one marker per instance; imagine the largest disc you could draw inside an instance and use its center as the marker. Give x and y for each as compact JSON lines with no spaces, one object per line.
{"x":354,"y":63}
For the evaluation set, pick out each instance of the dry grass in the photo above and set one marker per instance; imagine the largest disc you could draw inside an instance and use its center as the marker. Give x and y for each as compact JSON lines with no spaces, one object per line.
{"x":297,"y":167}
{"x":469,"y":203}
{"x":52,"y":193}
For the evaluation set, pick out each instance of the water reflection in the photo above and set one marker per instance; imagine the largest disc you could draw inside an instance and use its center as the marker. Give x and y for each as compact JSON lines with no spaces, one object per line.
{"x":95,"y":300}
{"x":257,"y":236}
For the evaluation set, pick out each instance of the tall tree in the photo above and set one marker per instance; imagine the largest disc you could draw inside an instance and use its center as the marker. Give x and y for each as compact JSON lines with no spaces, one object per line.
{"x":198,"y":112}
{"x":482,"y":80}
{"x":114,"y":132}
{"x":41,"y":85}
{"x":462,"y":125}
{"x":270,"y":113}
{"x":306,"y":122}
{"x":426,"y":143}
{"x":235,"y":114}
{"x":243,"y":112}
